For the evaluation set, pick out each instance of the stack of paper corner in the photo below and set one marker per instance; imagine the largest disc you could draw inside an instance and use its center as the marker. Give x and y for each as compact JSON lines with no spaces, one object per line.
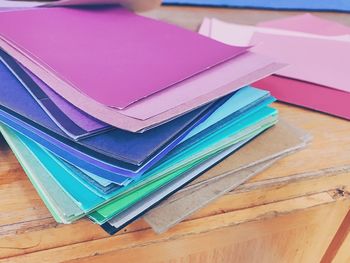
{"x":109,"y":112}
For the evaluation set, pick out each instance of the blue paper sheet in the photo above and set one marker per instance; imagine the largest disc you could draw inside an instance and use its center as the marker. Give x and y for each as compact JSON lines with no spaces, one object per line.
{"x":312,"y":5}
{"x":22,"y":113}
{"x":112,"y":150}
{"x":128,"y":147}
{"x":88,"y":200}
{"x":222,"y":119}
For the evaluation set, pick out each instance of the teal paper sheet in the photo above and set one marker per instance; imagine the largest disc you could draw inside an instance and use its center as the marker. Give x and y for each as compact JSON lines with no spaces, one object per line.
{"x":114,"y":208}
{"x":187,"y":159}
{"x":61,"y":206}
{"x":219,"y":116}
{"x":241,"y":100}
{"x":88,"y":201}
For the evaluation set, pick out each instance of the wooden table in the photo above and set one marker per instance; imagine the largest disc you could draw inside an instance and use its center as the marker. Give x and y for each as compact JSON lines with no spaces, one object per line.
{"x":296,"y":211}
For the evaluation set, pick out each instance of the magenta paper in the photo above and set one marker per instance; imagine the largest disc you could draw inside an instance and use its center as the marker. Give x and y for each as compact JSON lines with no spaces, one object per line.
{"x":108,"y":55}
{"x":308,"y":23}
{"x":316,"y":97}
{"x":247,"y":67}
{"x":84,"y":121}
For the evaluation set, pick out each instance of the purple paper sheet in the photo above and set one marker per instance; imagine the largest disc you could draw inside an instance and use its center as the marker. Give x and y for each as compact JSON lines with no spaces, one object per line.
{"x":88,"y":123}
{"x":116,"y":58}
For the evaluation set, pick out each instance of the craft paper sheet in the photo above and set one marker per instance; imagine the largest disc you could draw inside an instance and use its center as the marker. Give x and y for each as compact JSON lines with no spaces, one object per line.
{"x":305,"y":94}
{"x":324,"y":5}
{"x":262,"y":120}
{"x":212,"y":85}
{"x":87,"y":200}
{"x":178,"y":95}
{"x":257,"y":155}
{"x":307,"y":23}
{"x":58,"y":202}
{"x":70,"y":119}
{"x":320,"y":98}
{"x":322,"y":62}
{"x":308,"y":57}
{"x":173,"y":53}
{"x":242,"y":35}
{"x":317,"y":97}
{"x":186,"y":96}
{"x":94,"y":161}
{"x":139,"y":208}
{"x":124,"y":218}
{"x":198,"y":134}
{"x":113,"y":143}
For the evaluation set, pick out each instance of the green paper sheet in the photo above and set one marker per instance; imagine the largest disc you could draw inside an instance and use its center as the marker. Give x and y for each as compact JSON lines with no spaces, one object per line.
{"x":61,"y":206}
{"x":172,"y":167}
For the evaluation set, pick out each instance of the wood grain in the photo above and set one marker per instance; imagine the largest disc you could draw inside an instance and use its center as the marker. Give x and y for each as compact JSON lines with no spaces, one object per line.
{"x":289,"y":213}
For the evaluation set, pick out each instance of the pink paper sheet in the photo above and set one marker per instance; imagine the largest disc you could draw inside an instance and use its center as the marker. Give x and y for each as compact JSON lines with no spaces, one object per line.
{"x":301,"y":93}
{"x":308,"y":95}
{"x":241,"y":35}
{"x":308,"y":23}
{"x":323,"y":62}
{"x":107,"y":54}
{"x":313,"y":58}
{"x":204,"y":28}
{"x":114,"y":117}
{"x":209,"y":82}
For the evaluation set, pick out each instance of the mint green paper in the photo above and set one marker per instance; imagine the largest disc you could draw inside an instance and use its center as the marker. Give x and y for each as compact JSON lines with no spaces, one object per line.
{"x":62,"y":208}
{"x":265,"y":119}
{"x":117,"y":206}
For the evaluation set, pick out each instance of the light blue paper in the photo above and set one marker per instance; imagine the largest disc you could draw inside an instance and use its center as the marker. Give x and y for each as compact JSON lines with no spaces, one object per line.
{"x":313,"y":5}
{"x":242,"y":99}
{"x":245,"y":101}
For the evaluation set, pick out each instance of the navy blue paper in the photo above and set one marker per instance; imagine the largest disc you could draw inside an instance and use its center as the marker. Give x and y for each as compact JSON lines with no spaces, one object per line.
{"x":133,"y":148}
{"x":63,"y":121}
{"x":116,"y":151}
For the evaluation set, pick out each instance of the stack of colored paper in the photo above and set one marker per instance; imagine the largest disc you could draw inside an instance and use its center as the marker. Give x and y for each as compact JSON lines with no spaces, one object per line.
{"x":316,"y":50}
{"x":107,"y":110}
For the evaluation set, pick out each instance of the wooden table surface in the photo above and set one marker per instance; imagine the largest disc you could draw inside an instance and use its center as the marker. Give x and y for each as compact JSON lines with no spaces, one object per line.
{"x":310,"y":186}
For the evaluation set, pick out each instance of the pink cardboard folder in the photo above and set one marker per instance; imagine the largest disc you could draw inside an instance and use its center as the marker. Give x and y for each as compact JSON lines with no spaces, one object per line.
{"x":106,"y":58}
